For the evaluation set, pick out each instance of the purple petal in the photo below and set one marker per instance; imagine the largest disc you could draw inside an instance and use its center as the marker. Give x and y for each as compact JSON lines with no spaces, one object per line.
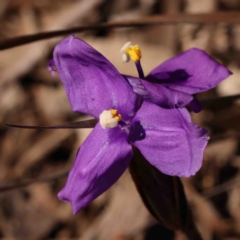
{"x":137,"y":86}
{"x":195,"y":105}
{"x":92,"y":83}
{"x":191,"y":72}
{"x":101,"y":160}
{"x":158,"y":94}
{"x":170,"y":142}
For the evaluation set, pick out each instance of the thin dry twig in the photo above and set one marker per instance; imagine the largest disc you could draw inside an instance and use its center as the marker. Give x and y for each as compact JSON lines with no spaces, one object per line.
{"x":212,"y":18}
{"x":74,"y":125}
{"x":25,"y":183}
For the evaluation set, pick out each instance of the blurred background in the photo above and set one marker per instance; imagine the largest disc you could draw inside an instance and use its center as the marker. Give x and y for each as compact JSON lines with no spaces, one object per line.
{"x":30,"y":96}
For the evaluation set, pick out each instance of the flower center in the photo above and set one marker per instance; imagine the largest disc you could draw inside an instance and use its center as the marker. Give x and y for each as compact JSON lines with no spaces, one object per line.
{"x":109,"y":118}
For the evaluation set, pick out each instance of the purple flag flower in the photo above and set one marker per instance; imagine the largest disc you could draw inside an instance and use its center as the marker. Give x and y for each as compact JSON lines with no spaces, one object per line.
{"x":166,"y":137}
{"x":173,"y":83}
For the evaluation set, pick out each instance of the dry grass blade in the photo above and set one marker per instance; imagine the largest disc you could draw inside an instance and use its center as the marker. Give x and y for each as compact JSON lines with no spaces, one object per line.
{"x":227,"y":186}
{"x":212,"y":18}
{"x":81,"y":124}
{"x":24,"y":183}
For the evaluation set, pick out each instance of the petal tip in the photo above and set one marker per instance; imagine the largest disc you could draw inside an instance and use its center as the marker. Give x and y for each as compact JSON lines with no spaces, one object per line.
{"x":63,"y":197}
{"x":229,"y":72}
{"x":75,"y":210}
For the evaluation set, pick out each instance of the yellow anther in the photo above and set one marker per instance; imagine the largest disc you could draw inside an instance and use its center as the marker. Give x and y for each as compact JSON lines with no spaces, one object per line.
{"x":130,"y":51}
{"x":113,"y":112}
{"x":118,"y":117}
{"x":110,"y":118}
{"x":134,"y":53}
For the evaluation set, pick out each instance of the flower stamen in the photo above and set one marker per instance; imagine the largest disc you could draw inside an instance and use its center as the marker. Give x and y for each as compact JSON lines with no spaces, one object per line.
{"x":109,"y":118}
{"x":132,"y":52}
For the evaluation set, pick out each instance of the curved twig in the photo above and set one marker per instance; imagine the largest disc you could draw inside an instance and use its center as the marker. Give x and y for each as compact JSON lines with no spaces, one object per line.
{"x":81,"y":124}
{"x":205,"y":18}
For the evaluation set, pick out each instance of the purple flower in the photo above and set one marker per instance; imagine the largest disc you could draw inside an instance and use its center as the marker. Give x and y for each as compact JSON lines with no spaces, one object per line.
{"x":166,"y":137}
{"x":173,"y":83}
